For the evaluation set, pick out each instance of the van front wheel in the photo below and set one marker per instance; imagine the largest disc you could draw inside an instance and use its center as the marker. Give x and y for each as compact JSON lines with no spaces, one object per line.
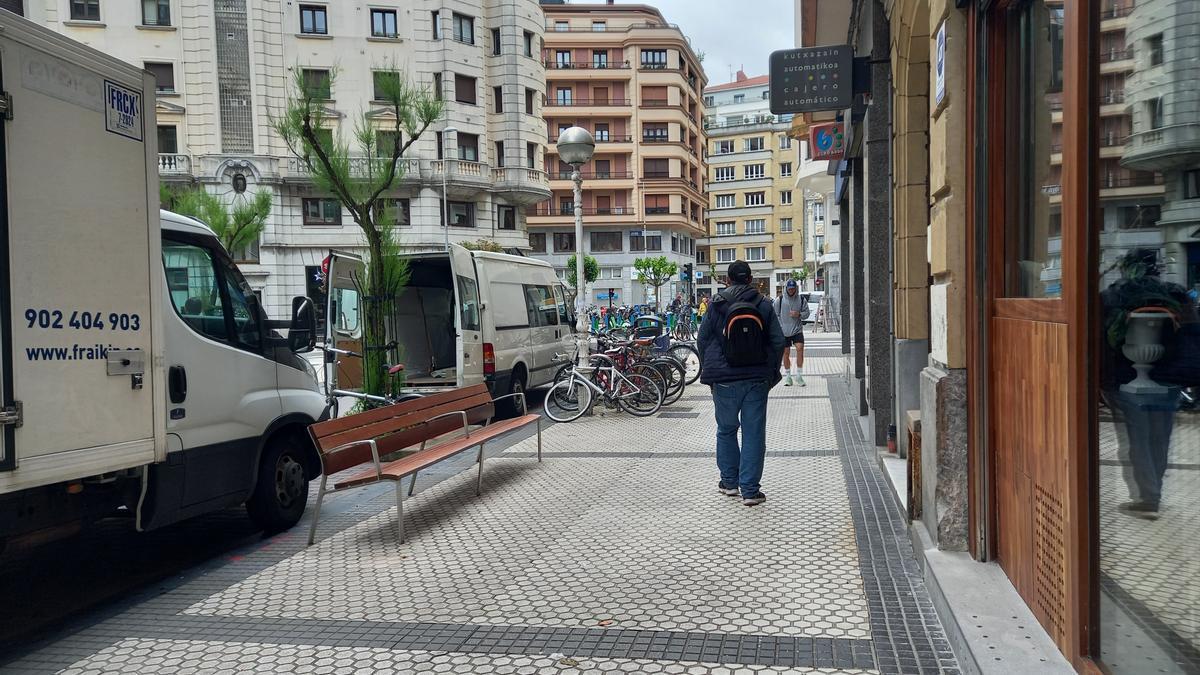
{"x":512,"y":406}
{"x":281,"y":491}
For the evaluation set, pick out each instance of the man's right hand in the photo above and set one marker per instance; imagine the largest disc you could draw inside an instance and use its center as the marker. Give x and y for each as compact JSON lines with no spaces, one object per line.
{"x":794,"y":314}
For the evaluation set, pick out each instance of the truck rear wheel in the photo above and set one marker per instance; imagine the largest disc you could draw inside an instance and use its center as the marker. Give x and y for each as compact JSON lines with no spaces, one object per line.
{"x":281,"y":490}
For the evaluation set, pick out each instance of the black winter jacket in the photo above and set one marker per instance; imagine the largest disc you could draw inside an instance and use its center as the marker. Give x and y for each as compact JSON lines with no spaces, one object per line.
{"x":711,"y":340}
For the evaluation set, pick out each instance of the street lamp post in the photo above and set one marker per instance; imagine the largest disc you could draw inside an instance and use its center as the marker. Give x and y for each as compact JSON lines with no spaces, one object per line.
{"x":575,"y":147}
{"x":445,"y":170}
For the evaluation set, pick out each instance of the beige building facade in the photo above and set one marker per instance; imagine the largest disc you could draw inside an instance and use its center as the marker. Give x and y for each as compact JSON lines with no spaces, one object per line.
{"x":634,"y":81}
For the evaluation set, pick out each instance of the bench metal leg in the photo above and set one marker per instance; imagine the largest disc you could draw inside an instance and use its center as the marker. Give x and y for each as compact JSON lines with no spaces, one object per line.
{"x":400,"y":509}
{"x":413,"y":485}
{"x":479,"y":480}
{"x":539,"y":430}
{"x":312,"y":530}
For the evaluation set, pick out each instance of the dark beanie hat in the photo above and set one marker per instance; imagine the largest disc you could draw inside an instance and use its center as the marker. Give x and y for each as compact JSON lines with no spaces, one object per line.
{"x":739,"y":272}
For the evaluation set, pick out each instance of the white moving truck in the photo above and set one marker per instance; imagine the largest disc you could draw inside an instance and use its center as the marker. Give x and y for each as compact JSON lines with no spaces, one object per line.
{"x":138,"y":374}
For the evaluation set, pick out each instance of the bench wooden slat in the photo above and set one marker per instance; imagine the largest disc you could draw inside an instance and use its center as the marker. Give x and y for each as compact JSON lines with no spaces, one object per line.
{"x":339,"y":424}
{"x":406,"y":466}
{"x":478,"y":406}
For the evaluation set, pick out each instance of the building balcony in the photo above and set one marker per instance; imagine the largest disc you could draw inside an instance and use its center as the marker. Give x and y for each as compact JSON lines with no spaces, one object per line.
{"x":520,"y":185}
{"x":546,"y":215}
{"x":1172,"y":147}
{"x":1116,"y":61}
{"x":611,"y":102}
{"x":463,"y":178}
{"x":408,"y":170}
{"x":588,"y":71}
{"x":607,"y":143}
{"x":608,"y":180}
{"x":174,"y":166}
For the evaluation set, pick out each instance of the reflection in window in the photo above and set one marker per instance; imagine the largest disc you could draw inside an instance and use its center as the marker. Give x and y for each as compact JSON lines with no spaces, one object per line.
{"x":1033,"y":266}
{"x":192,"y":283}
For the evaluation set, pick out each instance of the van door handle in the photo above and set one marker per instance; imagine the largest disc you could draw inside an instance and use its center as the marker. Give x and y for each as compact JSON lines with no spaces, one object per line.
{"x":177,"y":384}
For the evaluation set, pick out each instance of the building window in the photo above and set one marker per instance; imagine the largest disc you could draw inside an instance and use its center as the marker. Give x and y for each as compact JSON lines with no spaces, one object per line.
{"x":655,"y":132}
{"x":495,"y":42}
{"x":164,"y":77}
{"x":385,"y":82}
{"x":785,"y":252}
{"x":785,"y":142}
{"x":766,"y":95}
{"x":607,"y":242}
{"x":1191,"y":184}
{"x":600,"y":59}
{"x":725,"y":201}
{"x":785,"y":225}
{"x":156,"y":12}
{"x":656,"y":168}
{"x":756,"y":226}
{"x":1154,"y":45}
{"x":654,"y":59}
{"x":604,"y":168}
{"x":562,"y":58}
{"x":85,"y":10}
{"x":531,"y":155}
{"x":785,"y":197}
{"x":563,"y":96}
{"x":564,"y":242}
{"x":383,"y":23}
{"x":396,"y":211}
{"x":657,"y":205}
{"x":537,"y":242}
{"x":723,"y":148}
{"x":756,"y":198}
{"x":528,"y":44}
{"x":317,"y":83}
{"x":498,"y":98}
{"x":819,"y":243}
{"x":464,"y":28}
{"x":785,"y":169}
{"x":739,"y":98}
{"x":462,"y":214}
{"x":674,"y":244}
{"x":468,"y":147}
{"x":506,"y":217}
{"x":726,"y":228}
{"x":601,"y":133}
{"x":756,"y":253}
{"x":464,"y":89}
{"x":599,"y":26}
{"x":313,"y":20}
{"x":1155,"y":108}
{"x":818,"y":210}
{"x":726,"y":254}
{"x":322,"y":212}
{"x":724,"y":173}
{"x":755,"y":171}
{"x":168,"y":139}
{"x":708,"y":100}
{"x":528,"y":101}
{"x":499,"y":154}
{"x":437,"y":86}
{"x":645,"y":242}
{"x":562,"y":26}
{"x":436,"y":22}
{"x":754,"y":144}
{"x":386,"y":142}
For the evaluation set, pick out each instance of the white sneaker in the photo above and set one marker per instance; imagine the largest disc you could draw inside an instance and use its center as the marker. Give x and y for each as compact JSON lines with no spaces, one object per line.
{"x":787,"y":382}
{"x":800,"y":379}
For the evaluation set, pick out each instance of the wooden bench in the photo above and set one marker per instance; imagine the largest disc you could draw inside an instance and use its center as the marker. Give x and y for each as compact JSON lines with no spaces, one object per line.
{"x":354,"y":440}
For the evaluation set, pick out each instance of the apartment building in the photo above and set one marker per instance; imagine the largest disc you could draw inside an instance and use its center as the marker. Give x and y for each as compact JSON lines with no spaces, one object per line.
{"x":633,"y":80}
{"x":755,"y":212}
{"x":225,"y":68}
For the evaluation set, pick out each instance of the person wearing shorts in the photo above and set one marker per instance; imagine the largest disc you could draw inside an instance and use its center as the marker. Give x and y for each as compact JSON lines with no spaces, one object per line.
{"x":790,"y":308}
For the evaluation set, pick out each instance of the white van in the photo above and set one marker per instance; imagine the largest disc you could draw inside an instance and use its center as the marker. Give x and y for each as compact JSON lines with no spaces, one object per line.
{"x":465,"y":317}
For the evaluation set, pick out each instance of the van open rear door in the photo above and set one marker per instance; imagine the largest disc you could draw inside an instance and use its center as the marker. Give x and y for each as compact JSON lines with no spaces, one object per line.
{"x":469,"y":340}
{"x":345,"y":279}
{"x":80,"y":262}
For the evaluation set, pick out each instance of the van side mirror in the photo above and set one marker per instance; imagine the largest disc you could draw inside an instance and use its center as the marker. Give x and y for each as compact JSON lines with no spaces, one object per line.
{"x":302,"y":332}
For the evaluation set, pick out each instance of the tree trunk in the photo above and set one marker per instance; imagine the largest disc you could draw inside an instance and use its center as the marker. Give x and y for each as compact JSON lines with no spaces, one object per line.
{"x":375,"y":304}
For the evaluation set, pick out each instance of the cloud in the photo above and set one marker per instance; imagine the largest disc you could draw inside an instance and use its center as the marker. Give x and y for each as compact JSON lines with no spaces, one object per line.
{"x":732,"y":35}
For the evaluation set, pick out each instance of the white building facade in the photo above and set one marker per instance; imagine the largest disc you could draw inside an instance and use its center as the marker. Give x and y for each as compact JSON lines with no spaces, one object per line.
{"x":225,"y":68}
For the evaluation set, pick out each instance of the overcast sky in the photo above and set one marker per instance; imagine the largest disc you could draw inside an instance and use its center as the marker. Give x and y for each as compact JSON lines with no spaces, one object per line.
{"x":732,"y":35}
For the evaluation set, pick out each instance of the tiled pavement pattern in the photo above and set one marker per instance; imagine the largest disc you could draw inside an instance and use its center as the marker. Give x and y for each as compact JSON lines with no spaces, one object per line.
{"x":614,"y":555}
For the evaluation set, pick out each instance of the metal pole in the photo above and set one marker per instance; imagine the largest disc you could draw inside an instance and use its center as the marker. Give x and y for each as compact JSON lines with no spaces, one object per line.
{"x":580,"y":280}
{"x":445,"y":204}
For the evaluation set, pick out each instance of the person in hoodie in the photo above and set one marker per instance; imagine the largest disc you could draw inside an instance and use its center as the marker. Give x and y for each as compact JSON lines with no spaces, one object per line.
{"x":740,"y":392}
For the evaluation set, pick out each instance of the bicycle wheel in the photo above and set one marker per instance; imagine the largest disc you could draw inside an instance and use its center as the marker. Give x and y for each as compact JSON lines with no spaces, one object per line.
{"x":638,"y":395}
{"x":650,"y":370}
{"x":568,"y":400}
{"x":672,"y":371}
{"x":689,"y":357}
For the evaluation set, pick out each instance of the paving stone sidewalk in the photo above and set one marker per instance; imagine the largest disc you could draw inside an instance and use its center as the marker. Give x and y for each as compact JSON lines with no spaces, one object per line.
{"x":614,"y":555}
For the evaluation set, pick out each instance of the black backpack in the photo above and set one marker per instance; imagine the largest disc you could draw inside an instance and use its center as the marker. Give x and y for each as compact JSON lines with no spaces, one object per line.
{"x":745,"y":335}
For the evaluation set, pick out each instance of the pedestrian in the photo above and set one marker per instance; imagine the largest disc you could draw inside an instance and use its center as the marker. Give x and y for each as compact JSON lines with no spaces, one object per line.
{"x":792,"y":310}
{"x":703,"y":305}
{"x":740,"y":344}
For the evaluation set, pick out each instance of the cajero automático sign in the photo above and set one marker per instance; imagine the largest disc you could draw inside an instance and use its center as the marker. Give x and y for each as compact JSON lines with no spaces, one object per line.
{"x":811,"y":79}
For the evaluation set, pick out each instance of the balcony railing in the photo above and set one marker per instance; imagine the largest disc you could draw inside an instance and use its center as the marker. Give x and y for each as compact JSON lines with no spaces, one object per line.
{"x":585,"y":102}
{"x":1116,"y":11}
{"x":655,"y":139}
{"x":583,"y":65}
{"x":1111,"y":97}
{"x":360,"y":167}
{"x":512,"y":174}
{"x":607,"y":138}
{"x":595,"y":175}
{"x":174,"y":164}
{"x":1114,"y":181}
{"x":545,"y":210}
{"x":1113,"y":55}
{"x":459,"y":168}
{"x":656,"y":103}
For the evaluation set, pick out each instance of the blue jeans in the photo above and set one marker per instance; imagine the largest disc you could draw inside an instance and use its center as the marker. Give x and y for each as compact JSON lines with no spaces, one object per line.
{"x":742,"y":403}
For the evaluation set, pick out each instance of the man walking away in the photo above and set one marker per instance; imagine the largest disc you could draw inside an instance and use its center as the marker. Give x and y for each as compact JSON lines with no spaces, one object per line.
{"x":740,"y":344}
{"x":792,"y":310}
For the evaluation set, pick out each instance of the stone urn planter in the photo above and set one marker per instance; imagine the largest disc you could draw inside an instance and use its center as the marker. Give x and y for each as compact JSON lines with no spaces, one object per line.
{"x":1143,"y":346}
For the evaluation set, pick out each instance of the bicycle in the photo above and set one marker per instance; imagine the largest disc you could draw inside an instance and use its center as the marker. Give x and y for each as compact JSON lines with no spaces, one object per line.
{"x":392,"y":371}
{"x":569,"y":399}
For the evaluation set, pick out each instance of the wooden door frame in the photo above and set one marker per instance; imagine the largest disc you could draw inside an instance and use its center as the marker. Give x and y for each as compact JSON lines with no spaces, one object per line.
{"x":1077,"y":307}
